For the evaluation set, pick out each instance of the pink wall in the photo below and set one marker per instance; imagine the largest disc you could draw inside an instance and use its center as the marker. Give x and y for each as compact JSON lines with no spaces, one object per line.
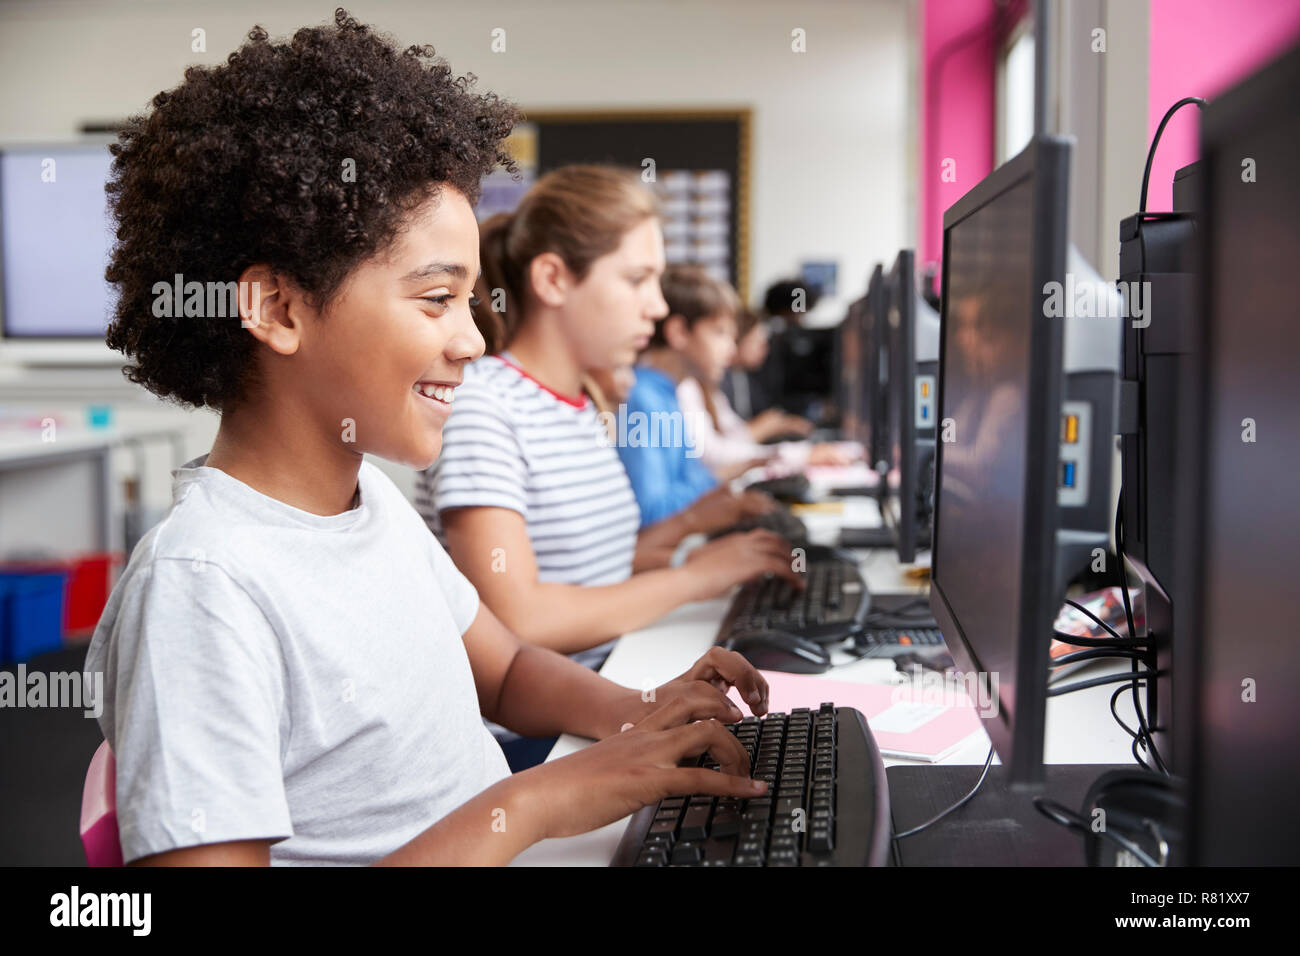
{"x":958,"y":109}
{"x":1201,"y":48}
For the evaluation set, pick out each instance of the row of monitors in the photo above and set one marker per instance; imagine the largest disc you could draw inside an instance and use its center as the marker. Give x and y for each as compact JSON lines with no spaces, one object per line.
{"x":1021,"y":416}
{"x":889,"y":358}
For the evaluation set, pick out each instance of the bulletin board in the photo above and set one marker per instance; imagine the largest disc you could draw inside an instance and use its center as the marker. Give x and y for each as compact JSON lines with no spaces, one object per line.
{"x":701,"y":172}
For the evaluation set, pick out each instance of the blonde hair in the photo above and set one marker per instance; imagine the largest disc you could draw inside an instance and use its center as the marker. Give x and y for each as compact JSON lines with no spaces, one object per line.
{"x":580,"y":213}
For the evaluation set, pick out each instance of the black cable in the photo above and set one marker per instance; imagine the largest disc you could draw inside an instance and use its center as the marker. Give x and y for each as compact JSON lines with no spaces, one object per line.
{"x":1119,"y":523}
{"x":988,"y":762}
{"x":1155,"y":141}
{"x":1095,"y":654}
{"x":1114,"y":698}
{"x":1122,"y":566}
{"x":1122,"y":570}
{"x":1063,"y":815}
{"x":1102,"y":624}
{"x":1098,"y":681}
{"x":1065,"y":637}
{"x":1137,"y":758}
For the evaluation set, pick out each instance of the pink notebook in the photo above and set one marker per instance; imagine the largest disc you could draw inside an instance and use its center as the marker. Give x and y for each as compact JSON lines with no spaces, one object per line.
{"x":915,"y":723}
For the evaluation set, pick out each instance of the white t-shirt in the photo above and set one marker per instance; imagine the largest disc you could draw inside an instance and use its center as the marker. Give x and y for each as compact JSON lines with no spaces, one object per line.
{"x":274,"y":674}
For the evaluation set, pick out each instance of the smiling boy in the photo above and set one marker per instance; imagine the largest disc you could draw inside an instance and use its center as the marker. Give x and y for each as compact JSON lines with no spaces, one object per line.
{"x":295,"y":672}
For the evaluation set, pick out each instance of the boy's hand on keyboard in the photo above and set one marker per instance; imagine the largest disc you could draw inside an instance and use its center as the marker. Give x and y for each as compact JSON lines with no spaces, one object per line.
{"x":723,"y":670}
{"x":721,"y":564}
{"x":701,"y":692}
{"x":621,"y":774}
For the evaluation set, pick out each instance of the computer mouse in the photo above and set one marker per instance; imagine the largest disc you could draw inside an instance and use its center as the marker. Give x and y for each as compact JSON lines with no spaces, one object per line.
{"x":781,"y":651}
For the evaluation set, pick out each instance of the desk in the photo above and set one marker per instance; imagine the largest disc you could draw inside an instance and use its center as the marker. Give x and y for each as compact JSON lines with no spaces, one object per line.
{"x":1079,"y":726}
{"x":57,"y":493}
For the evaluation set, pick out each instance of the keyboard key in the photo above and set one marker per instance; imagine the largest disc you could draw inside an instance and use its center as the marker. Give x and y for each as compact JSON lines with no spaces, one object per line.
{"x":820,"y":840}
{"x":695,"y":823}
{"x":725,"y":824}
{"x":686,"y":853}
{"x":786,"y":807}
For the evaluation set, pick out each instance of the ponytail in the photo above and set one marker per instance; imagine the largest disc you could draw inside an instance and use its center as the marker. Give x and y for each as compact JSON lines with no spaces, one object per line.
{"x":580,"y":213}
{"x":498,"y":289}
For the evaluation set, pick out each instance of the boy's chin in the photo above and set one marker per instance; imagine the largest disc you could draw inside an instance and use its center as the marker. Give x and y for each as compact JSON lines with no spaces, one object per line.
{"x":419,"y":455}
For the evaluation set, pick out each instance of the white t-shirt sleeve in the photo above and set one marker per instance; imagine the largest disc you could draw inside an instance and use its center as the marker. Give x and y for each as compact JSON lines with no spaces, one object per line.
{"x":198,"y":683}
{"x":482,"y":464}
{"x":460,"y":595}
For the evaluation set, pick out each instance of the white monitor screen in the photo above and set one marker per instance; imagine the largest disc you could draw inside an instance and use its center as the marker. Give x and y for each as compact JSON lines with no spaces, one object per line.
{"x":56,"y":240}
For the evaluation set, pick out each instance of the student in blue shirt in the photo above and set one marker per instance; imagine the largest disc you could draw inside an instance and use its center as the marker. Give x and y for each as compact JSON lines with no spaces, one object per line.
{"x":666,"y":475}
{"x":654,"y":443}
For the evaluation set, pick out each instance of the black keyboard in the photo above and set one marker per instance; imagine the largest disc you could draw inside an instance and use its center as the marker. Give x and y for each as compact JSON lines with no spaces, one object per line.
{"x":830,"y":608}
{"x":827,"y":802}
{"x":888,"y":638}
{"x":780,"y":521}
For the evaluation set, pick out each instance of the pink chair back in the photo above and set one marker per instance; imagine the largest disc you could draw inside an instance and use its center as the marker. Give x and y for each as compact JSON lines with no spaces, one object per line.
{"x":99,"y":811}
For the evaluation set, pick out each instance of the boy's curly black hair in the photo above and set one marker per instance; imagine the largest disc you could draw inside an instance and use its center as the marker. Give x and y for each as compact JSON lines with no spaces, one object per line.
{"x":245,"y":162}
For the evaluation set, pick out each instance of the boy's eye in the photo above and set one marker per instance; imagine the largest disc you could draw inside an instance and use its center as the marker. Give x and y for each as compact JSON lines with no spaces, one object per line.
{"x":475,"y":302}
{"x":440,"y":300}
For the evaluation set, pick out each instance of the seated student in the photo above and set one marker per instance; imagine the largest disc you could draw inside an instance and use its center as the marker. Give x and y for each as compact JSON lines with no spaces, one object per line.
{"x":663,"y":466}
{"x":695,"y":347}
{"x":798,"y":375}
{"x":294,"y":670}
{"x":528,"y":497}
{"x":746,"y":391}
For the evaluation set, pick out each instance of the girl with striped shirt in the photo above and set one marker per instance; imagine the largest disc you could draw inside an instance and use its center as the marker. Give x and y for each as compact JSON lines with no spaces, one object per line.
{"x":529,"y":496}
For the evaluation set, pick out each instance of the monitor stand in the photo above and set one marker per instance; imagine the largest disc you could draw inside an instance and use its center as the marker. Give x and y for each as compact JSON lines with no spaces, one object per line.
{"x":998,"y":827}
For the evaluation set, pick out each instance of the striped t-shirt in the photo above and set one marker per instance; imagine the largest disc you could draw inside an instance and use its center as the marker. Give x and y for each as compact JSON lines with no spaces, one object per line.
{"x":513,"y":443}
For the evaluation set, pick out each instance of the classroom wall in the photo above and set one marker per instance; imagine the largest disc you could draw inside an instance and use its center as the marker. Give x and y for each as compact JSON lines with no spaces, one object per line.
{"x":1201,"y":48}
{"x":830,"y":128}
{"x":958,"y":69}
{"x":832,"y":156}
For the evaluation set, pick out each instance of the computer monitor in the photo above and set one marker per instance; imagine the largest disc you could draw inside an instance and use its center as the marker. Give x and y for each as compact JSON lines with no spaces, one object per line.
{"x":1022,"y":474}
{"x":1237,"y":658}
{"x":875,"y":365}
{"x":55,"y":239}
{"x":851,"y":384}
{"x":912,"y":345}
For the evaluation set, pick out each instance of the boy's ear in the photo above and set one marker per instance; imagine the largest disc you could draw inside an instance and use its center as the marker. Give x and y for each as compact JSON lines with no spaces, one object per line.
{"x":271,"y":308}
{"x":675,"y":331}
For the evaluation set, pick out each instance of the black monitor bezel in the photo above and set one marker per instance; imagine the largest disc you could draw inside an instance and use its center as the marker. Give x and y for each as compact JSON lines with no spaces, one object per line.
{"x":851,"y":386}
{"x":1019,"y":743}
{"x":1223,"y":121}
{"x":901,"y":296}
{"x":874,"y":388}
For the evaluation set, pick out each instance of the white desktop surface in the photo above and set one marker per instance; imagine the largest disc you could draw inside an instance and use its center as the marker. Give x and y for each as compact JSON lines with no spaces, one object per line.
{"x":1079,"y":726}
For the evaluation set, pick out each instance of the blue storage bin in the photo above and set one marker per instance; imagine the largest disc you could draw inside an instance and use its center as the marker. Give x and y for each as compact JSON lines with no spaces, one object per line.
{"x":31,"y":614}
